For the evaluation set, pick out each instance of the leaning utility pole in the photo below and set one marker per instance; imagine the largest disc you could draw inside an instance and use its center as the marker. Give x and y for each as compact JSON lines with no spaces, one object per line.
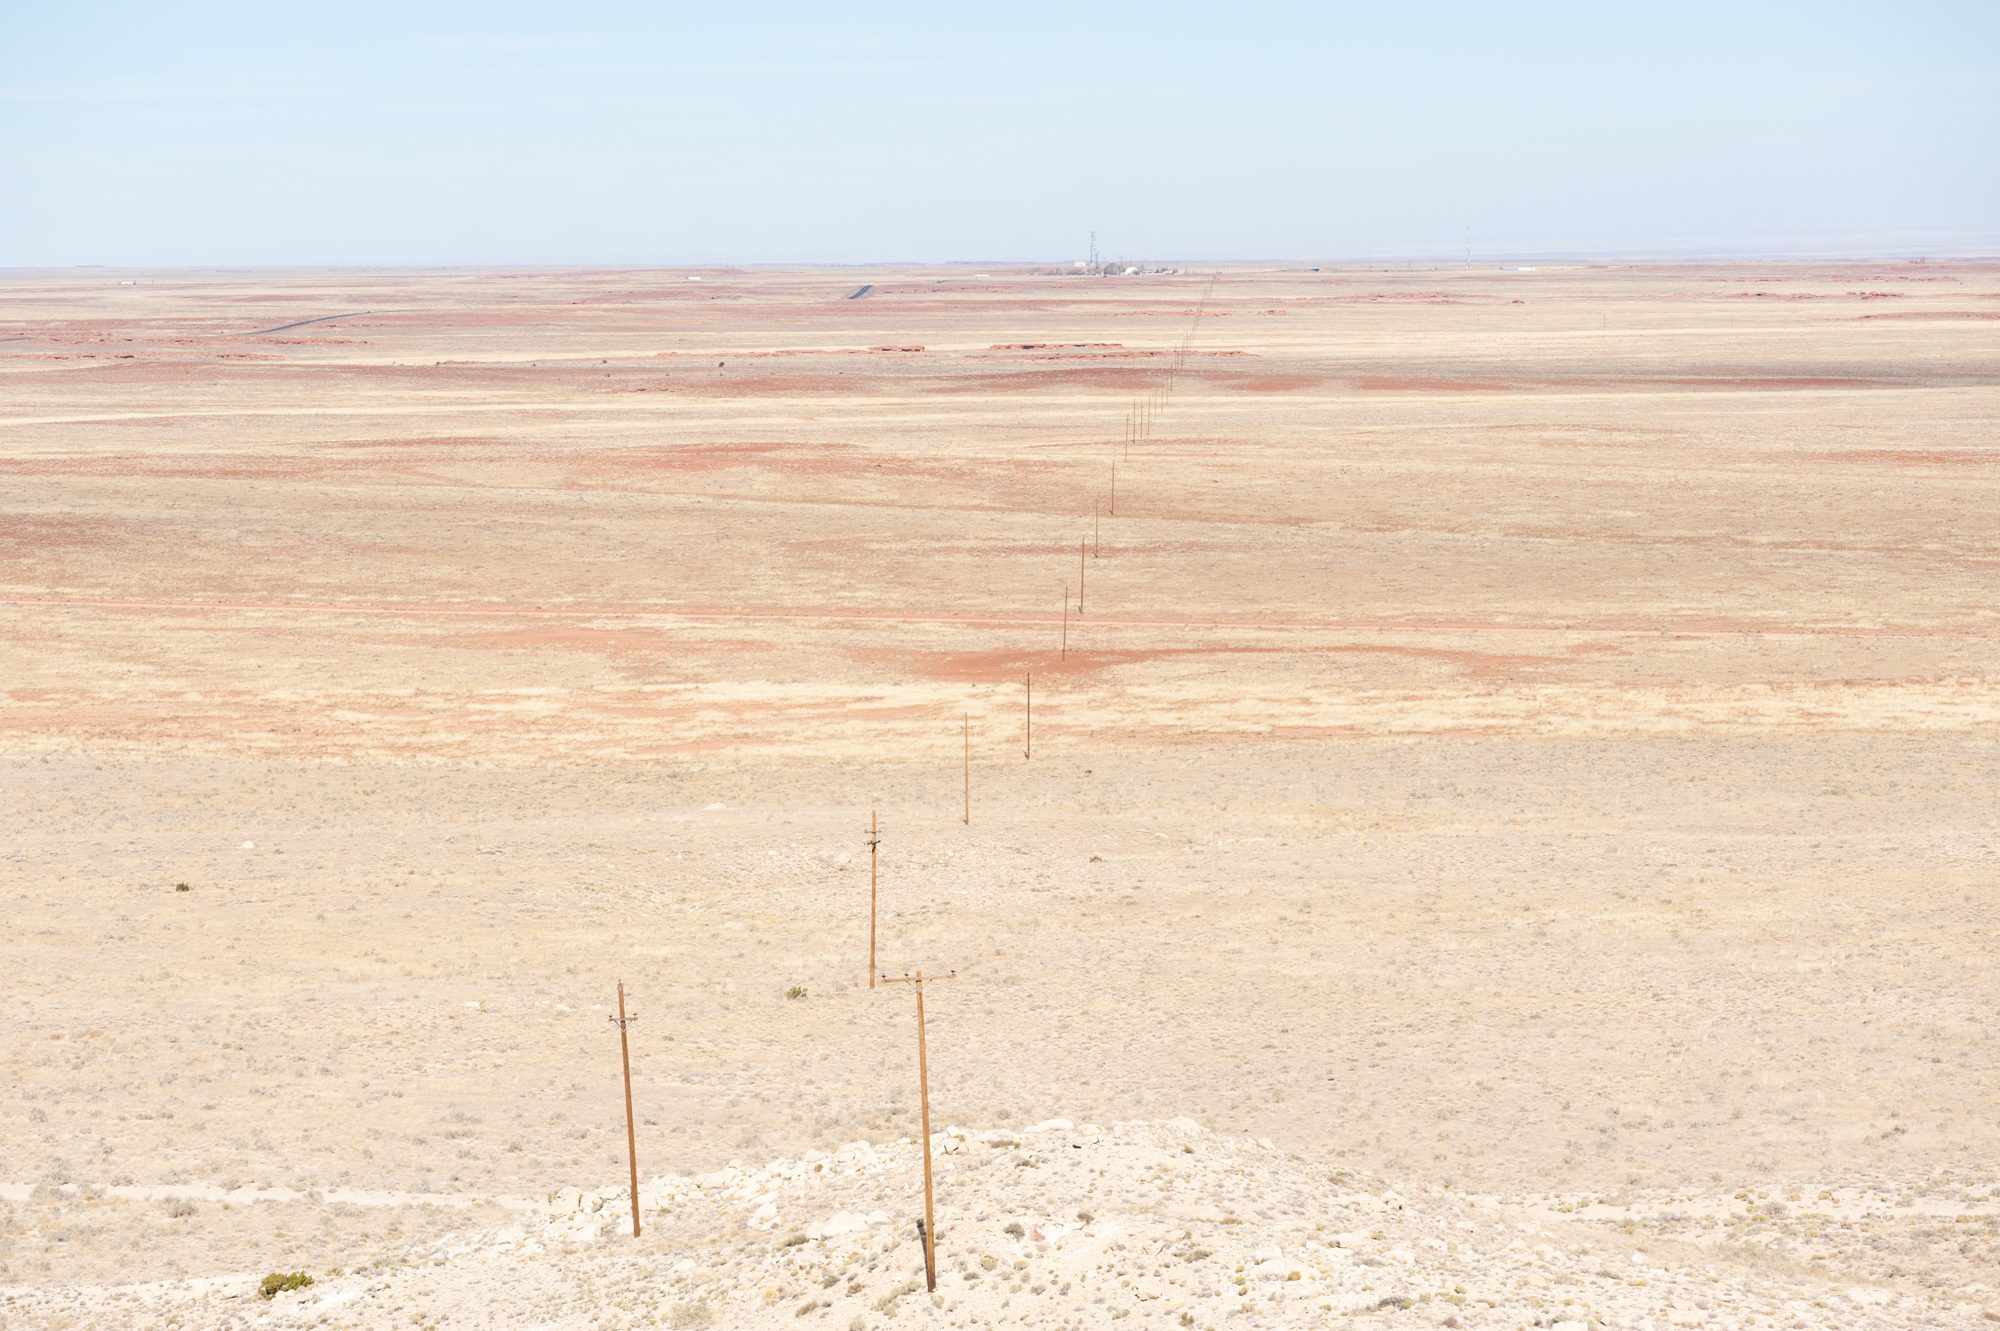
{"x":874,"y":840}
{"x":917,"y":982}
{"x":631,"y":1133}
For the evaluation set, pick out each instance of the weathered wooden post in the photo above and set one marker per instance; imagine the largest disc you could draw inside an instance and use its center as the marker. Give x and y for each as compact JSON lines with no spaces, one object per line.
{"x":874,"y":840}
{"x":917,"y":982}
{"x":631,"y":1132}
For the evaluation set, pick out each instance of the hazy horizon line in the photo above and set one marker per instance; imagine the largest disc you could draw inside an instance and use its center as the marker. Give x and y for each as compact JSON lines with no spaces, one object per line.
{"x":1430,"y":261}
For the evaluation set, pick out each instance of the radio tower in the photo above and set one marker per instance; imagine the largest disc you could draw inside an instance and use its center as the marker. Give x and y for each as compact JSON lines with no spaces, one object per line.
{"x":1093,"y":252}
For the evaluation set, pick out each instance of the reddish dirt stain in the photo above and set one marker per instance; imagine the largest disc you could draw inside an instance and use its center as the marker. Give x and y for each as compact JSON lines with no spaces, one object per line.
{"x":1413,"y":384}
{"x":1933,"y":314}
{"x":1918,"y":457}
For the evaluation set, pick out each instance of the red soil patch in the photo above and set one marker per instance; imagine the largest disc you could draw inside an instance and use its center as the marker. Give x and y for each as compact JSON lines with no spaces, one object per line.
{"x":1802,"y":381}
{"x":1121,"y":377}
{"x":21,"y":536}
{"x":1918,"y":457}
{"x":1933,"y":314}
{"x":1412,"y":384}
{"x":1277,"y":383}
{"x":728,"y":383}
{"x":182,"y":465}
{"x":992,"y":667}
{"x":793,"y":459}
{"x":999,"y":666}
{"x":1126,"y":378}
{"x":1480,"y":665}
{"x":561,"y":637}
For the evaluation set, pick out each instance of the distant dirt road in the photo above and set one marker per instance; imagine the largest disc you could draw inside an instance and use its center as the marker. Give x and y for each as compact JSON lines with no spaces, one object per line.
{"x":301,"y":323}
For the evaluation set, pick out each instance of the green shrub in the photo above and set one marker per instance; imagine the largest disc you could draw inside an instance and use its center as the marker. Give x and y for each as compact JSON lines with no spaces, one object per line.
{"x":279,"y":1281}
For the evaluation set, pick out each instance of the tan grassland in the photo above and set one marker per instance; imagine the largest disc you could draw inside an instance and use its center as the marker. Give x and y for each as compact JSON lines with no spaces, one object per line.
{"x":1530,"y":742}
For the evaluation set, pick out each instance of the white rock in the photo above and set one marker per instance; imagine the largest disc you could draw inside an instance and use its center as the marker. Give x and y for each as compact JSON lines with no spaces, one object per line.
{"x":844,"y":1222}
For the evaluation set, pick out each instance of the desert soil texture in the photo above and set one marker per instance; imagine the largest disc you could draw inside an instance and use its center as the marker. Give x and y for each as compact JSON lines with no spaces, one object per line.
{"x":1507,"y":837}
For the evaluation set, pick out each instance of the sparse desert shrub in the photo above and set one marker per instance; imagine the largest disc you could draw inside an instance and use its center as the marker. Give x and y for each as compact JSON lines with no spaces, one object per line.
{"x":179,"y":1208}
{"x":279,"y":1281}
{"x":796,"y":991}
{"x":182,"y":887}
{"x":691,"y":1314}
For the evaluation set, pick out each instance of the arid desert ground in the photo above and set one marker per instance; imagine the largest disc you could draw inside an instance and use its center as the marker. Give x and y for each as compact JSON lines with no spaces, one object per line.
{"x":1514,"y":813}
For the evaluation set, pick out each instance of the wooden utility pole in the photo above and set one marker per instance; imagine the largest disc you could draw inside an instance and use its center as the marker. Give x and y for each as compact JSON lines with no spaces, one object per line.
{"x":1031,"y":716}
{"x":917,"y":982}
{"x":1114,"y":489}
{"x":967,"y":819}
{"x":631,"y":1133}
{"x":874,"y":840}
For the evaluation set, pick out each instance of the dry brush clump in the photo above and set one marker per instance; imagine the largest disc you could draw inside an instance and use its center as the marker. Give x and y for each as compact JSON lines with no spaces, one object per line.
{"x":279,"y":1282}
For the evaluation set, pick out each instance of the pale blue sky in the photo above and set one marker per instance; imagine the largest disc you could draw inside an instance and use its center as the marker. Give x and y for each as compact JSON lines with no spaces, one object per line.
{"x":435,"y":133}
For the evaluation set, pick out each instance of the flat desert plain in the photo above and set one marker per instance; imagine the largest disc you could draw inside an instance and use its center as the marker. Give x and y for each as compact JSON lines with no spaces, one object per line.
{"x":1510,"y":836}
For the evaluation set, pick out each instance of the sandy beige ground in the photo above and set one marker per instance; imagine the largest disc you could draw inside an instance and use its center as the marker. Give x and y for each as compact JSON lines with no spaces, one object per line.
{"x":1529,"y":734}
